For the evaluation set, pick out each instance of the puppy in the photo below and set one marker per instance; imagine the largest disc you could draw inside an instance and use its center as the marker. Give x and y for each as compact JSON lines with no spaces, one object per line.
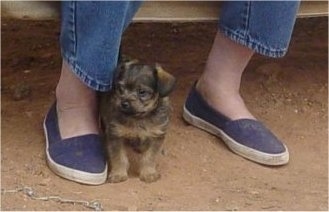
{"x":135,"y":113}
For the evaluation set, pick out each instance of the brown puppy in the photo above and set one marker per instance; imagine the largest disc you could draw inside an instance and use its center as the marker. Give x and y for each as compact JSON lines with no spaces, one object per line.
{"x":136,"y":113}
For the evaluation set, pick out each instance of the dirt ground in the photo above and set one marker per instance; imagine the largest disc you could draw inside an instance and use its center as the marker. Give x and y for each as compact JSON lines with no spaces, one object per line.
{"x":289,"y":95}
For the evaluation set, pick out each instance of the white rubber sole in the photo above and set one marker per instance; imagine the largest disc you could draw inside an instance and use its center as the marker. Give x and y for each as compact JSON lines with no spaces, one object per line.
{"x":72,"y":174}
{"x":246,"y":152}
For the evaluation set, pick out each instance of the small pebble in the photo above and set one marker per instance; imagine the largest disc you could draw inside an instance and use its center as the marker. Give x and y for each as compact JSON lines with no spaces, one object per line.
{"x":21,"y":91}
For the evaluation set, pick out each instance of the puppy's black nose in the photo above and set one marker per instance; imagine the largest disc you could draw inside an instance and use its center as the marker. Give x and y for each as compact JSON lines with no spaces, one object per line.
{"x":125,"y":104}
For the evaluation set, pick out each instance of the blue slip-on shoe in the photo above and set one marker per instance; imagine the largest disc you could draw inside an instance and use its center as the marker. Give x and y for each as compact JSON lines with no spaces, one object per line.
{"x":81,"y":159}
{"x":246,"y":137}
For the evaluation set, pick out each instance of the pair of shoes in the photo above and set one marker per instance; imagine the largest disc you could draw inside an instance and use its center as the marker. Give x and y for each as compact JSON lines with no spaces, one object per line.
{"x":246,"y":137}
{"x":80,"y":159}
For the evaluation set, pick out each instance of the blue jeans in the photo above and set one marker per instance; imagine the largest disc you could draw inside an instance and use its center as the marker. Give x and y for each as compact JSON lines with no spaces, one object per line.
{"x":91,"y":32}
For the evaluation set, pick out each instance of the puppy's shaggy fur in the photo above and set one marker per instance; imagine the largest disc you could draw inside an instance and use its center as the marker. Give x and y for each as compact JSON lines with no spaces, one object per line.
{"x":136,"y":113}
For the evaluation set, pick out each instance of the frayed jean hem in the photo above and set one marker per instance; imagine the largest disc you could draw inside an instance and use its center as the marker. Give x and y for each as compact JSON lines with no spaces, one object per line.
{"x":252,"y":43}
{"x":84,"y":76}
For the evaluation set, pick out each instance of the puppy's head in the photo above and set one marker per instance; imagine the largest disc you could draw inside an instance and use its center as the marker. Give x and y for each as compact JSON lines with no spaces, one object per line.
{"x":138,"y":87}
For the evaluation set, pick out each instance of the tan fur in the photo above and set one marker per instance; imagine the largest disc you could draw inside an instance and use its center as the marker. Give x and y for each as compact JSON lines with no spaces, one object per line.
{"x":134,"y":132}
{"x":166,"y":80}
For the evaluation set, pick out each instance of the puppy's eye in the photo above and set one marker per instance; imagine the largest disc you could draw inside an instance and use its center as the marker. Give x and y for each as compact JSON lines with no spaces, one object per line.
{"x":143,"y":93}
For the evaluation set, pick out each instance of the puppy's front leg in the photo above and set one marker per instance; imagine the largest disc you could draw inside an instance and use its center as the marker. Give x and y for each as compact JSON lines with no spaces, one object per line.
{"x":148,"y":172}
{"x":118,"y":160}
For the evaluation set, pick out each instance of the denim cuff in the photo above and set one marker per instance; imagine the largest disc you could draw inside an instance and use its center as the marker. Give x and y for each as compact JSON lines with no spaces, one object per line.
{"x":252,"y":43}
{"x":85,"y":76}
{"x":263,"y":26}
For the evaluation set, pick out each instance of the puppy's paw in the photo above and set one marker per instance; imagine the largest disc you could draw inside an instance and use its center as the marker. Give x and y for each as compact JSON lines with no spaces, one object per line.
{"x":149,"y":176}
{"x":117,"y":178}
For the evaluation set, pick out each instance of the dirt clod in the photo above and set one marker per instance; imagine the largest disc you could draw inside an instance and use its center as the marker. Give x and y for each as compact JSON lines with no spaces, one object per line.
{"x":21,"y":91}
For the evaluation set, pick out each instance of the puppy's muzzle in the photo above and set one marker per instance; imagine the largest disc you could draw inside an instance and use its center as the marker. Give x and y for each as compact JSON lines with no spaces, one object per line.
{"x":126,"y":107}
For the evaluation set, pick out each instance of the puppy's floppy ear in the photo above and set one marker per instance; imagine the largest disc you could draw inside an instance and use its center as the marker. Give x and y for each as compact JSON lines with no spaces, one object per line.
{"x":166,"y":81}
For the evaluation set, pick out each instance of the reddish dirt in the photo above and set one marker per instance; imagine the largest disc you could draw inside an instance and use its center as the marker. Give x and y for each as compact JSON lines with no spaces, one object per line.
{"x":198,"y":172}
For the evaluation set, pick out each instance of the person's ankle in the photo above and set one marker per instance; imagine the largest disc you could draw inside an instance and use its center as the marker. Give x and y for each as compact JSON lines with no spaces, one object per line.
{"x":76,"y":106}
{"x":75,"y":99}
{"x":227,"y":101}
{"x":76,"y":120}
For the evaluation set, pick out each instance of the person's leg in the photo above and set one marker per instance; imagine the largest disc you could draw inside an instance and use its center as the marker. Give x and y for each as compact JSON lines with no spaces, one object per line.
{"x":265,"y":28}
{"x":220,"y":82}
{"x":76,"y":109}
{"x":90,"y":41}
{"x":215,"y":104}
